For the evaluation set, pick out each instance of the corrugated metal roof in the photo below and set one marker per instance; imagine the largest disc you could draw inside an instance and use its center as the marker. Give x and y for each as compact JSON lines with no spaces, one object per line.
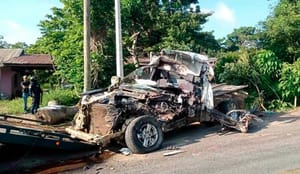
{"x":34,"y":59}
{"x":6,"y":54}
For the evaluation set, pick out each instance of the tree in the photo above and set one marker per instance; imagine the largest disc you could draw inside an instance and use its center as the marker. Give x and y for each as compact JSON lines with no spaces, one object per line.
{"x":183,"y":28}
{"x":146,"y":25}
{"x":272,"y":71}
{"x":260,"y":70}
{"x":3,"y":43}
{"x":154,"y":25}
{"x":21,"y":45}
{"x":62,"y":37}
{"x":140,"y":32}
{"x":243,"y":37}
{"x":281,"y":30}
{"x":290,"y":81}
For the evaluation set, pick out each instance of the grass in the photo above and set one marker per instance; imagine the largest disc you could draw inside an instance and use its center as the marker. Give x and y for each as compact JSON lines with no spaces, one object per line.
{"x":63,"y":97}
{"x":14,"y":106}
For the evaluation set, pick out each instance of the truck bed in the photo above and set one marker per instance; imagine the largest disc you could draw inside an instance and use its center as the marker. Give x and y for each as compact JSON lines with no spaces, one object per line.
{"x":220,"y":89}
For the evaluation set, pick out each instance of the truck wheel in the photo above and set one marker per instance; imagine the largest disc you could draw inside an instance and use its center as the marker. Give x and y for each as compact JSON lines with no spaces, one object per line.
{"x":143,"y":135}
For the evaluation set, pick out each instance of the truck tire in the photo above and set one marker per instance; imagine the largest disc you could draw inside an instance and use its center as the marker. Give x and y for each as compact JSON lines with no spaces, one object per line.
{"x":143,"y":135}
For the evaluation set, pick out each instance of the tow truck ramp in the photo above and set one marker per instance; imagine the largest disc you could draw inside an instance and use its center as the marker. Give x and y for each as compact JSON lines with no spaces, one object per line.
{"x":29,"y":132}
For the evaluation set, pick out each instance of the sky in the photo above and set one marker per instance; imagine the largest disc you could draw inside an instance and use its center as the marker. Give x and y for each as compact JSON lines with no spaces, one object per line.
{"x":231,"y":14}
{"x":19,"y":19}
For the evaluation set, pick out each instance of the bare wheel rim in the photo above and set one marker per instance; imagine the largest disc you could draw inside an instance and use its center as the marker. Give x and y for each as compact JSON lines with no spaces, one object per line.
{"x":148,"y":135}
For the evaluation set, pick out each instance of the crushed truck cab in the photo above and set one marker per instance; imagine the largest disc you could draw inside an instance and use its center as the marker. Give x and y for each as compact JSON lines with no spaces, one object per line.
{"x":173,"y":91}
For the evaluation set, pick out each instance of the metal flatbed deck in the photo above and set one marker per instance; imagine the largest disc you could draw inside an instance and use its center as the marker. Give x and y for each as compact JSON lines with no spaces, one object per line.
{"x":22,"y":131}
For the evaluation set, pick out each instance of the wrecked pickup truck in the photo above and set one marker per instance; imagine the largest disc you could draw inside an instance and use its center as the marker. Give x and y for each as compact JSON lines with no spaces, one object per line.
{"x":173,"y":91}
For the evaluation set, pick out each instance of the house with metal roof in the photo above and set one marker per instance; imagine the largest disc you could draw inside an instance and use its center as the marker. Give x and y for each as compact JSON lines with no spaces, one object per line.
{"x":14,"y":63}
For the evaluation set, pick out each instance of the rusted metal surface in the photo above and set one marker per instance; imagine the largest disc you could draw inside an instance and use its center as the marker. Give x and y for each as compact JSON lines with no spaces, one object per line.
{"x":29,"y":123}
{"x":25,"y":119}
{"x":101,"y":119}
{"x":6,"y":54}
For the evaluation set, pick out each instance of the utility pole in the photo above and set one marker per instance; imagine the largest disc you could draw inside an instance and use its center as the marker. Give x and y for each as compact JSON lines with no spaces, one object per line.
{"x":119,"y":49}
{"x":86,"y":46}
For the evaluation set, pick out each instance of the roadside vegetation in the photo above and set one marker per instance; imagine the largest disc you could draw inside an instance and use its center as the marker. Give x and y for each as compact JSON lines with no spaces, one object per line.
{"x":66,"y":97}
{"x":265,"y":57}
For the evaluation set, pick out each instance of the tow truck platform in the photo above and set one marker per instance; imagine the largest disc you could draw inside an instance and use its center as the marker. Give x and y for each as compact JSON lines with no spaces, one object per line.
{"x":30,"y":132}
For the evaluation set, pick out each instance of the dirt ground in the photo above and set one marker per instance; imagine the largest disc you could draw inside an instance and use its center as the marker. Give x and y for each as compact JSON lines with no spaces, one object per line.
{"x":269,"y":147}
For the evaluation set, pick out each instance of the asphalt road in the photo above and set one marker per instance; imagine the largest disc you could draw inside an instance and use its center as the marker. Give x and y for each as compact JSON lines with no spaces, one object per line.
{"x":270,"y":147}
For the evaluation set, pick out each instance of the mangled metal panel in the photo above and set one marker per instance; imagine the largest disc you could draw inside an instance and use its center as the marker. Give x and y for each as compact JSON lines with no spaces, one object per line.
{"x":193,"y":61}
{"x":183,"y":62}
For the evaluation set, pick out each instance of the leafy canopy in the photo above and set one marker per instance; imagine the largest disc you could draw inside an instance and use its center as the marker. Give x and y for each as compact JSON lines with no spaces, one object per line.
{"x":146,"y":26}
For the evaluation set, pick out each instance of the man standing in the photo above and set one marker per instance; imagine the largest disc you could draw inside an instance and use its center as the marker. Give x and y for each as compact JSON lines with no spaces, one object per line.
{"x":25,"y":91}
{"x":36,"y":92}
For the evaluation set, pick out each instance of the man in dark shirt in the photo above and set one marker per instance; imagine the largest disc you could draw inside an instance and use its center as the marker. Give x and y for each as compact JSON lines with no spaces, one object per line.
{"x":25,"y":91}
{"x":36,"y":92}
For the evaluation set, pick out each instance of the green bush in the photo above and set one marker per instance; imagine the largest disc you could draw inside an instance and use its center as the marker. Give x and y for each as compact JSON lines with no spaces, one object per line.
{"x":290,"y":81}
{"x":279,"y":105}
{"x":66,"y":97}
{"x":225,"y":58}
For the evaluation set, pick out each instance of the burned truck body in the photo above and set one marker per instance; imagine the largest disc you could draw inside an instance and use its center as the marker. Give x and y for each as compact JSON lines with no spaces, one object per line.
{"x":173,"y":91}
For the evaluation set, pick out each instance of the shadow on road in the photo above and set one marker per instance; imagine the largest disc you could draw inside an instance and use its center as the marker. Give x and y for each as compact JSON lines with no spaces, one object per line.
{"x":196,"y":132}
{"x":189,"y":135}
{"x":274,"y":118}
{"x":25,"y":159}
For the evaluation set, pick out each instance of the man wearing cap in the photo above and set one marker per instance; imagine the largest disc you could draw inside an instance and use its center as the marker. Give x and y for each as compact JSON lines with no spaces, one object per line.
{"x":25,"y":91}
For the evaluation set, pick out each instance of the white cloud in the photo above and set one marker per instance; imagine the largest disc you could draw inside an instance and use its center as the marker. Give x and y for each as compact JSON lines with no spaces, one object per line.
{"x":205,"y":10}
{"x":14,"y":32}
{"x":224,"y":13}
{"x":11,"y":25}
